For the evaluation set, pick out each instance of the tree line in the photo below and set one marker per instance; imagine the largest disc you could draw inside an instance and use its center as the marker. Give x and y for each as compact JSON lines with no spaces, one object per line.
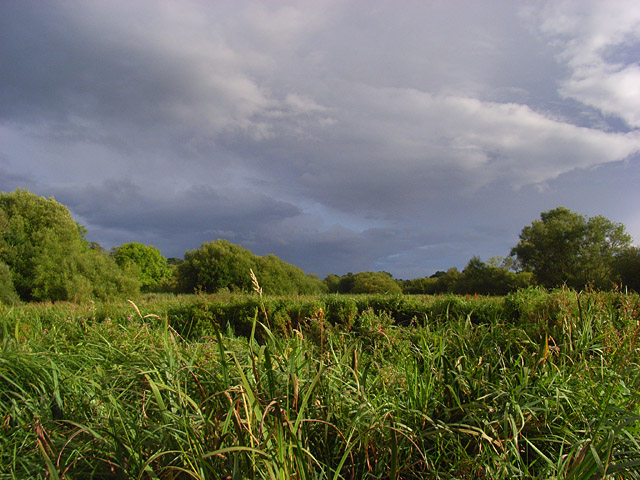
{"x":44,"y":255}
{"x":562,"y":248}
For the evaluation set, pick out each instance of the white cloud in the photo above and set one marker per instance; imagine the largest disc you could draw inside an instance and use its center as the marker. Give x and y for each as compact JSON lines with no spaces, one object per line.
{"x":408,"y":133}
{"x":590,"y":36}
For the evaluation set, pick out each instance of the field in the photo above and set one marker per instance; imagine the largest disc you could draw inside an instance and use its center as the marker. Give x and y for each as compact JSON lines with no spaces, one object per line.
{"x":531,"y":385}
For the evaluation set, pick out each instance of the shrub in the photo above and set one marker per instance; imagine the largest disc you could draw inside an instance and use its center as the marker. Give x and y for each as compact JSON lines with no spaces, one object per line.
{"x":48,"y":256}
{"x":7,"y":291}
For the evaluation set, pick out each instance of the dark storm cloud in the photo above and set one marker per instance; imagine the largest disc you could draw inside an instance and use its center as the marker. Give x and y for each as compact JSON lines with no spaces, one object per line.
{"x":125,"y":212}
{"x":341,"y":135}
{"x":125,"y":205}
{"x":9,"y":181}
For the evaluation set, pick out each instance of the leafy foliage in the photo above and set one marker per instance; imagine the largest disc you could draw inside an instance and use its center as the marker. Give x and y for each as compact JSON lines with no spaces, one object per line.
{"x":151,"y":267}
{"x":8,"y":293}
{"x":363,"y":282}
{"x":374,"y":282}
{"x":627,"y":268}
{"x":44,"y":256}
{"x":477,"y":277}
{"x":215,"y":266}
{"x":278,"y":277}
{"x":222,"y":265}
{"x":47,"y":253}
{"x":485,"y":279}
{"x":565,"y":247}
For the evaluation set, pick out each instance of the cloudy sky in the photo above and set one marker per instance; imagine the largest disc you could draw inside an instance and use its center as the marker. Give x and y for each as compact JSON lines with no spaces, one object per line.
{"x":339,"y":135}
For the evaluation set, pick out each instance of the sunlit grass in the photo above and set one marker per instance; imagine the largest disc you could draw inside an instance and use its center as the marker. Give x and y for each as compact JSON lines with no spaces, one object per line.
{"x":535,"y":386}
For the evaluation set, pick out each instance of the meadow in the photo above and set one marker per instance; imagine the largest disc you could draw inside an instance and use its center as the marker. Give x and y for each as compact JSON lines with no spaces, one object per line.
{"x":533,"y":385}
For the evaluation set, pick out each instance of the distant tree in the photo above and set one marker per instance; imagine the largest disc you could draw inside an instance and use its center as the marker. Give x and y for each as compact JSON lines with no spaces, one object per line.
{"x":438,"y":282}
{"x":507,"y":263}
{"x":489,"y":279}
{"x":604,"y":240}
{"x":332,"y":283}
{"x":626,"y":267}
{"x":146,"y":261}
{"x":8,"y":294}
{"x":446,"y":282}
{"x":423,"y":286}
{"x":278,"y":277}
{"x":48,"y":256}
{"x":98,"y":248}
{"x":223,"y":265}
{"x":346,"y":283}
{"x":565,"y":247}
{"x":106,"y":278}
{"x":215,"y":266}
{"x":371,"y":282}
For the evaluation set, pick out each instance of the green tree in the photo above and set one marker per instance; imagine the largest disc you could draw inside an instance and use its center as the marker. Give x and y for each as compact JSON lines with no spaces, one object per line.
{"x":332,"y":283}
{"x":48,"y":256}
{"x":489,"y":279}
{"x":277,"y":277}
{"x":368,"y":282}
{"x":224,"y":265}
{"x":375,"y":282}
{"x":346,"y":283}
{"x":8,"y":293}
{"x":422,"y":286}
{"x":565,"y":247}
{"x":150,"y":265}
{"x":216,"y":265}
{"x":98,"y":248}
{"x":627,"y":268}
{"x":445,"y":281}
{"x":106,"y":277}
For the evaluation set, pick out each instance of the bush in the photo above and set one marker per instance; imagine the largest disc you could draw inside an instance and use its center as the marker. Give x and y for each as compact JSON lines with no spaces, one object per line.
{"x":8,"y":293}
{"x":538,"y":311}
{"x":150,"y":266}
{"x":453,"y":307}
{"x":48,"y":256}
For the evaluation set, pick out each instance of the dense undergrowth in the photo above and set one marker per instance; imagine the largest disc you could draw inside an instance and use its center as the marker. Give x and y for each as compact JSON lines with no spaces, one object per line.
{"x":531,"y":385}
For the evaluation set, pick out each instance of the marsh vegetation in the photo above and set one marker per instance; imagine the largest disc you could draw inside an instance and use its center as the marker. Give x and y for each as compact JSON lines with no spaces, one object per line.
{"x":530,"y":385}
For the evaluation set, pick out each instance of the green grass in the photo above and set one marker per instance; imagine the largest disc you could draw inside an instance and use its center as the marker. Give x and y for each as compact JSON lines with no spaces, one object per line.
{"x":534,"y":385}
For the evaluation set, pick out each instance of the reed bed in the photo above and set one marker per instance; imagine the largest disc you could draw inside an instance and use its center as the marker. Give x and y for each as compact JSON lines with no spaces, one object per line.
{"x":540,"y":385}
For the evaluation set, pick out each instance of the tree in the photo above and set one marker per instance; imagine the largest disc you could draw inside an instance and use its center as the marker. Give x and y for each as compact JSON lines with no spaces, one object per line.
{"x":422,"y":286}
{"x":446,"y":282}
{"x":278,"y":277}
{"x":627,"y":268}
{"x":332,"y":283}
{"x":48,"y":256}
{"x":224,"y":265}
{"x":216,"y":265}
{"x":564,"y":247}
{"x":375,"y":282}
{"x":150,"y":266}
{"x":489,"y":279}
{"x":366,"y":282}
{"x":8,"y":293}
{"x":98,"y":248}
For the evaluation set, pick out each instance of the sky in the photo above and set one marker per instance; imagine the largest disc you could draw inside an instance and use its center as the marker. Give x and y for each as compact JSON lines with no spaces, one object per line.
{"x":340,"y":135}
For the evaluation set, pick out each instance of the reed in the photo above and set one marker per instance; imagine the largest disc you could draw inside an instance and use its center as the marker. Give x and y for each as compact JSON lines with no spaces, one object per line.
{"x":545,"y":386}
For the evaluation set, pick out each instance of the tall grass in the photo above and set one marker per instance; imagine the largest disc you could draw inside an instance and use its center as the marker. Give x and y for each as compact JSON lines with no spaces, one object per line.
{"x":535,"y":385}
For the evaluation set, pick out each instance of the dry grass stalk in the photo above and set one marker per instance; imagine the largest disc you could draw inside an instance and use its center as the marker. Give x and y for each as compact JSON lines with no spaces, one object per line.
{"x":258,"y":289}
